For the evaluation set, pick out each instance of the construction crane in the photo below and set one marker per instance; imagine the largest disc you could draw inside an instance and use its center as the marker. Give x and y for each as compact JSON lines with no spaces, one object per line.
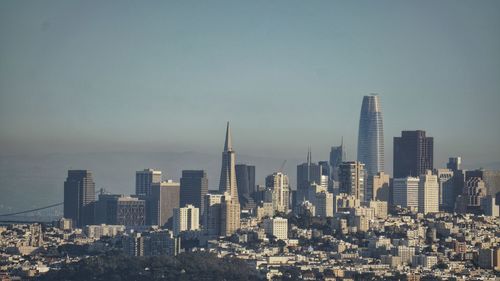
{"x":282,"y":166}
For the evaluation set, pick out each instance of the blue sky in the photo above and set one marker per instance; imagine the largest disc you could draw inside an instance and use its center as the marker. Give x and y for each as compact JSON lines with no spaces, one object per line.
{"x":166,"y":75}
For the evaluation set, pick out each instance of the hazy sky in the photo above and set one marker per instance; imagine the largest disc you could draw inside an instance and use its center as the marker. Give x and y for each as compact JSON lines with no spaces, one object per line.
{"x":167,"y":75}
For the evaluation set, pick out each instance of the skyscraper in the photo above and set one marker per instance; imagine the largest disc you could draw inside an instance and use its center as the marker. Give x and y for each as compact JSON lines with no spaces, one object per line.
{"x":79,"y":197}
{"x":307,"y":173}
{"x":230,"y":207}
{"x":337,"y":156}
{"x":454,"y":163}
{"x":278,"y":183}
{"x":413,"y":154}
{"x":194,"y":186}
{"x":164,"y":198}
{"x":245,"y":181}
{"x":144,"y":179}
{"x":371,"y":135}
{"x":405,"y":192}
{"x":352,"y":179}
{"x":428,"y":193}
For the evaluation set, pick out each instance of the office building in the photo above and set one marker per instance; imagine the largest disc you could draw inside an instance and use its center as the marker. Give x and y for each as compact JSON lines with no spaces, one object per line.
{"x":454,"y":164}
{"x":164,"y":198}
{"x":428,"y":193}
{"x":212,"y":214}
{"x":79,"y":197}
{"x":186,"y":219}
{"x":194,"y":187}
{"x":245,"y":181}
{"x":489,"y":206}
{"x":371,"y":135}
{"x":377,"y":187}
{"x":307,"y":173}
{"x":338,"y":155}
{"x":279,"y":186}
{"x":447,"y":193}
{"x":352,"y":179}
{"x":413,"y":154}
{"x":324,"y":204}
{"x":128,"y":211}
{"x":230,"y":207}
{"x":145,"y":179}
{"x":405,"y":192}
{"x":277,"y":227}
{"x":102,"y":207}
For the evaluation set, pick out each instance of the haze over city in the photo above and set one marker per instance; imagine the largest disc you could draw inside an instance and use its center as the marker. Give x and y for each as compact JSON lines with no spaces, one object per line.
{"x":113,"y":80}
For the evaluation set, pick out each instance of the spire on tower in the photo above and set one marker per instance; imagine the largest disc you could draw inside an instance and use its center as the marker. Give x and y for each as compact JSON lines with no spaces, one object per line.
{"x":228,"y":145}
{"x":309,"y":156}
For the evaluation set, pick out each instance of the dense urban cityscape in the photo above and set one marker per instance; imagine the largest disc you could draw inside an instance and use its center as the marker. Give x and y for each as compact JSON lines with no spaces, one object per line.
{"x":343,"y":219}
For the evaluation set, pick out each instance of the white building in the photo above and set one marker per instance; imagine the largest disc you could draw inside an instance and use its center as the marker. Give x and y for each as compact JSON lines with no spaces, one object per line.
{"x":277,"y":227}
{"x":96,"y":231}
{"x":405,"y":192}
{"x":428,"y":193}
{"x":186,"y":218}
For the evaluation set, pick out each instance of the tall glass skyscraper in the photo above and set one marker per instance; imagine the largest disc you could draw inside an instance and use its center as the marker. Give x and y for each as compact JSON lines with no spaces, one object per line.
{"x":371,"y":135}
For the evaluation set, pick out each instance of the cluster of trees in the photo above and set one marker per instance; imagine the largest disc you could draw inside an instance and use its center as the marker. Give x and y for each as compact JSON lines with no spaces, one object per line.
{"x":186,"y":266}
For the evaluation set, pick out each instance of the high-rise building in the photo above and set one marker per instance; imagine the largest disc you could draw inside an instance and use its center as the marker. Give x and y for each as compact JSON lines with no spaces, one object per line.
{"x":245,"y":181}
{"x":338,"y":155}
{"x":371,"y":135}
{"x":212,"y":214}
{"x":194,"y":186}
{"x":405,"y":192}
{"x":489,"y":206}
{"x":79,"y":197}
{"x":428,"y":193}
{"x":352,"y":179}
{"x":280,"y":189}
{"x":378,"y":187}
{"x":413,"y":154}
{"x":454,"y":164}
{"x":473,"y":191}
{"x":230,"y":208}
{"x":145,"y":179}
{"x":165,"y":196}
{"x":185,"y":219}
{"x":128,"y":211}
{"x":307,"y":173}
{"x":102,"y":207}
{"x":324,"y":204}
{"x":447,"y":194}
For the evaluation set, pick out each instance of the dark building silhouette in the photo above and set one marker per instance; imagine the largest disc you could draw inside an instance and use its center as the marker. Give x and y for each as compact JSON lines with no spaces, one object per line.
{"x":413,"y":154}
{"x":454,"y":163}
{"x":79,"y":197}
{"x":194,"y":187}
{"x":307,"y":173}
{"x":337,"y":156}
{"x":245,"y":181}
{"x":102,"y":206}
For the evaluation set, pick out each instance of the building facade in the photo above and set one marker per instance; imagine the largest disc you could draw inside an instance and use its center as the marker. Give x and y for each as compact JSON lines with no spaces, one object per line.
{"x":371,"y":135}
{"x":145,"y":179}
{"x":413,"y":154}
{"x":193,"y":188}
{"x":79,"y":197}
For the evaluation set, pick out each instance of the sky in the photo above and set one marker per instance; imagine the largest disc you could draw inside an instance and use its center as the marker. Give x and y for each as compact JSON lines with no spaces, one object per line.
{"x":98,"y":76}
